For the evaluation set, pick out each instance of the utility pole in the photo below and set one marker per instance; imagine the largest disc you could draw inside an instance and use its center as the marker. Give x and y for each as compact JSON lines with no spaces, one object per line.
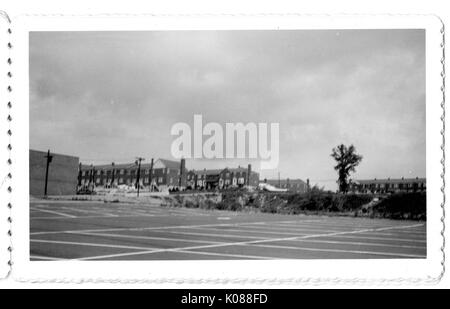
{"x":138,"y":161}
{"x":279,"y":180}
{"x":112,"y":175}
{"x":150,"y":177}
{"x":79,"y":174}
{"x":182,"y":166}
{"x":49,"y":159}
{"x":93,"y":178}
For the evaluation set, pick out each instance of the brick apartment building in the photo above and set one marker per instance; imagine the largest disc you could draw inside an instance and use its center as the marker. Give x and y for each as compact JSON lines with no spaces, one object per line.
{"x":160,"y":174}
{"x":222,"y":178}
{"x":389,"y":185}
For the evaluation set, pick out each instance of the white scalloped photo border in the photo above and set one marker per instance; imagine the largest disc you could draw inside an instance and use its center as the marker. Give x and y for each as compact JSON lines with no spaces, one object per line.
{"x":428,"y":271}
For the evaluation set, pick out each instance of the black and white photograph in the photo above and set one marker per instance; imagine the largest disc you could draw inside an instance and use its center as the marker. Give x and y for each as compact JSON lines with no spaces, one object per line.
{"x":227,"y":145}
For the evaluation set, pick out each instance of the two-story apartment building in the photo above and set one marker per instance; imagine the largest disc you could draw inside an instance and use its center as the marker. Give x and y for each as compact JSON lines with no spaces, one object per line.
{"x":222,"y":178}
{"x":389,"y":185}
{"x":160,"y":174}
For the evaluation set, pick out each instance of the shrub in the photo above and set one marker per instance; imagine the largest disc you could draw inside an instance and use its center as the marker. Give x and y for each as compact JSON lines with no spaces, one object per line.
{"x":398,"y":206}
{"x":402,"y":206}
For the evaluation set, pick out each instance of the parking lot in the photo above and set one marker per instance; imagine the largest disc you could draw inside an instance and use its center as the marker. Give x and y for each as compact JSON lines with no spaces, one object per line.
{"x":87,"y":230}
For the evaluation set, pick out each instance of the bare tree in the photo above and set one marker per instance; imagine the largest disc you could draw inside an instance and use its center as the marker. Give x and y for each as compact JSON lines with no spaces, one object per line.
{"x":347,"y":160}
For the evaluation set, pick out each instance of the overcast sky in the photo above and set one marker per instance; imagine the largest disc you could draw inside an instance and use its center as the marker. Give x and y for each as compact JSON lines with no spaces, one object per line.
{"x":112,"y":96}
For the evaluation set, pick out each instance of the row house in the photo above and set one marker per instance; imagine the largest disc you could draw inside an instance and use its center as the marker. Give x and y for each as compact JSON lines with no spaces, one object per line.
{"x":389,"y":185}
{"x":222,"y":178}
{"x":158,"y":175}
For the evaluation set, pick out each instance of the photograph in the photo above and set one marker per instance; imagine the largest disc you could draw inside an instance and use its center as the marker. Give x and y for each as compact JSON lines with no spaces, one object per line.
{"x":288,"y":144}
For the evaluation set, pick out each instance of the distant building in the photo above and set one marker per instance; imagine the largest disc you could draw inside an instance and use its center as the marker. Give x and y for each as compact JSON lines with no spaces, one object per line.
{"x":222,"y":178}
{"x":62,"y":173}
{"x":292,"y":185}
{"x":389,"y":185}
{"x":162,"y":174}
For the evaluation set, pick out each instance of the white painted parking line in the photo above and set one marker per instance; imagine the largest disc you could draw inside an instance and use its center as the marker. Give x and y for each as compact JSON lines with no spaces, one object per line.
{"x":213,"y":235}
{"x":377,"y":238}
{"x":410,"y":236}
{"x":251,"y":232}
{"x":255,"y":229}
{"x":337,"y":229}
{"x":103,"y":213}
{"x":143,"y":228}
{"x":148,"y":237}
{"x":360,"y":223}
{"x":238,"y":243}
{"x":89,"y":244}
{"x":352,"y":243}
{"x":55,"y":213}
{"x":340,"y":251}
{"x":87,"y":217}
{"x":322,"y":225}
{"x":242,"y":256}
{"x":46,"y":258}
{"x":319,"y":227}
{"x":279,"y":228}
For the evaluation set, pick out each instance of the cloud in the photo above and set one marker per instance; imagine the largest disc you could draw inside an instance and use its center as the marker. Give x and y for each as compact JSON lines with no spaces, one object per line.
{"x":115,"y":95}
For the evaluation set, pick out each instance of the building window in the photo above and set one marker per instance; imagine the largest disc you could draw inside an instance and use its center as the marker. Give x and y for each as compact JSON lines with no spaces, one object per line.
{"x":160,"y":179}
{"x":121,"y":172}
